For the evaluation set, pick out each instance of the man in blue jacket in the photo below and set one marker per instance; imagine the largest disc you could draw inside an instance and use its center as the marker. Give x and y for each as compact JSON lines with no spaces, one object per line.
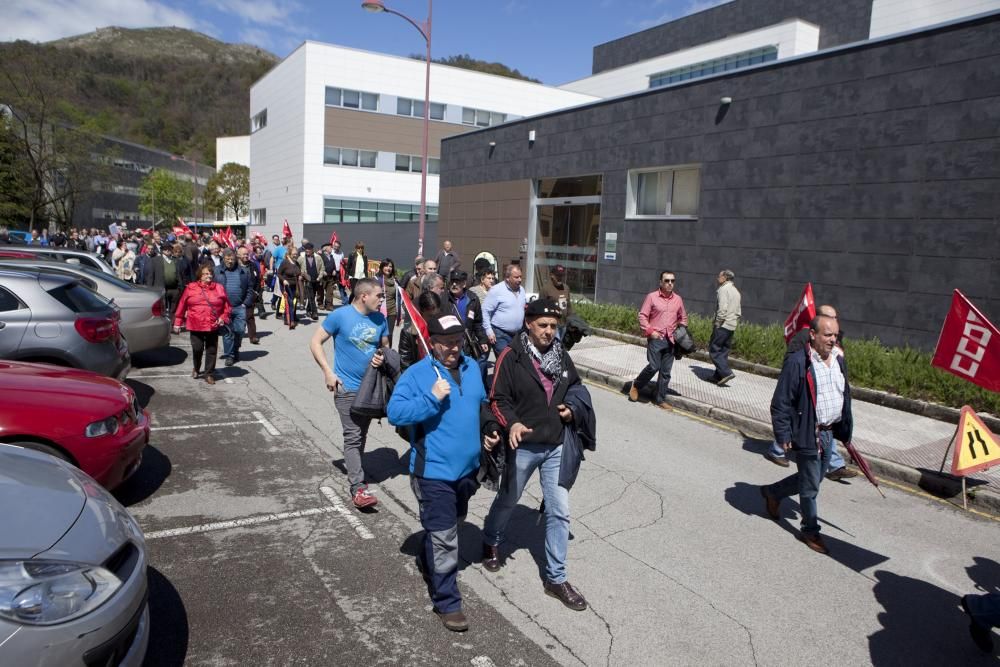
{"x":236,"y":280}
{"x":442,"y":397}
{"x":811,"y":407}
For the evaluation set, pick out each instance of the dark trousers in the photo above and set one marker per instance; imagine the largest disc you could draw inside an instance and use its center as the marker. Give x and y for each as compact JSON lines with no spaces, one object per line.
{"x":170,"y":296}
{"x":204,"y":343}
{"x":718,"y":350}
{"x":659,"y":359}
{"x":310,"y":291}
{"x":291,"y":295}
{"x":443,"y":506}
{"x":251,"y":324}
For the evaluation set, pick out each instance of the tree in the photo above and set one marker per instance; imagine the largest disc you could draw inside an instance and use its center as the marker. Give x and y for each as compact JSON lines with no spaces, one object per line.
{"x":15,"y":179}
{"x":163,"y":196}
{"x":229,"y":188}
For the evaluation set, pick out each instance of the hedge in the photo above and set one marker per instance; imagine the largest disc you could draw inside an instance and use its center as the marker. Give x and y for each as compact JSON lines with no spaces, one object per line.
{"x":900,"y":370}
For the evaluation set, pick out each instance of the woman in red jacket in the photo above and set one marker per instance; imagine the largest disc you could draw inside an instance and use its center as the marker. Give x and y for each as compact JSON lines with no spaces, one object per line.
{"x":206,"y":306}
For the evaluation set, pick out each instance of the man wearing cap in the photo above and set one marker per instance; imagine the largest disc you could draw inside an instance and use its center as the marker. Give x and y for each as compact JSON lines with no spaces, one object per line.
{"x":530,"y":383}
{"x":557,"y":290}
{"x":503,"y":310}
{"x":442,"y":397}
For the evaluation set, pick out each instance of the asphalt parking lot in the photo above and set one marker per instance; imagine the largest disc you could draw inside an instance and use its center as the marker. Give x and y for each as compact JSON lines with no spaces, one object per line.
{"x":257,"y":556}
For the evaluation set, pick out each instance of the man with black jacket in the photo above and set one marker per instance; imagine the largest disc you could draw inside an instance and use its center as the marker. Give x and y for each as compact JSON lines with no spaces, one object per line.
{"x":466,"y":307}
{"x":531,"y":379}
{"x":810,"y":408}
{"x":237,"y":282}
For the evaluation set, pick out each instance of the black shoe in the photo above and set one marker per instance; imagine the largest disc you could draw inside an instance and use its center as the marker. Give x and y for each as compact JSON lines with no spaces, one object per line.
{"x":566,"y":594}
{"x":777,"y":460}
{"x":229,"y":362}
{"x":491,"y":557}
{"x":982,"y":636}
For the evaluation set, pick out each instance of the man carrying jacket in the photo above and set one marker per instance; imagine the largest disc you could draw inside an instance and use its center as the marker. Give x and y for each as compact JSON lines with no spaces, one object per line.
{"x":811,"y":407}
{"x":237,"y":282}
{"x":442,"y":397}
{"x":530,"y":382}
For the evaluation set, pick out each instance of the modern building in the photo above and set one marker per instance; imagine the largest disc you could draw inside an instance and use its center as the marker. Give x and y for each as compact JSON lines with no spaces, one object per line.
{"x":336,"y":138}
{"x":854,"y":145}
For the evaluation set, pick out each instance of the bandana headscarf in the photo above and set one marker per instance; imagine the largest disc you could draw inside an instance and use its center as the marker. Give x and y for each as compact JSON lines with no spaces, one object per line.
{"x":551,"y":361}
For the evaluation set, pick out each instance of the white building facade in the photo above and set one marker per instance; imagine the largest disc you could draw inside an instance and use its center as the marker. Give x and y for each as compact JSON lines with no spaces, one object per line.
{"x":336,"y":133}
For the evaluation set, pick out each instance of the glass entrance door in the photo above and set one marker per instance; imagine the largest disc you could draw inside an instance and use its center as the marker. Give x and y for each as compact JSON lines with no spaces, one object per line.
{"x":567,"y":234}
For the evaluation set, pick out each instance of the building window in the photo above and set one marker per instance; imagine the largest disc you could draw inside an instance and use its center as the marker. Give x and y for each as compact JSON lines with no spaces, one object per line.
{"x":351,"y":99}
{"x":258,"y":217}
{"x":663,"y":193}
{"x":725,"y":64}
{"x":366,"y":210}
{"x":482,"y":118}
{"x":349,"y":157}
{"x":408,"y":107}
{"x":258,"y":121}
{"x":411,"y":163}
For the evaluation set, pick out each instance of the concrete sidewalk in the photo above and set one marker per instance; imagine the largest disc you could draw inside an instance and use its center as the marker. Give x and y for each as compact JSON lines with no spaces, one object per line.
{"x":899,"y":445}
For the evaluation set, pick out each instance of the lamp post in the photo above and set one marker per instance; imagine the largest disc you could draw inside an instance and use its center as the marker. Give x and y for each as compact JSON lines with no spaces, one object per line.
{"x":424,"y":27}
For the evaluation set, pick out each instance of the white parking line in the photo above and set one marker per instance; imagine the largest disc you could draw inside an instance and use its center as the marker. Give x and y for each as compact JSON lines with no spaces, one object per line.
{"x":268,"y":426}
{"x":134,"y":376}
{"x":338,"y":505}
{"x":237,"y":523}
{"x":482,"y":661}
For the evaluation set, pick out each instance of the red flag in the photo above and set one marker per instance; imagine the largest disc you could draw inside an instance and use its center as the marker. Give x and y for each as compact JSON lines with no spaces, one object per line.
{"x":286,"y":230}
{"x":968,"y":345}
{"x":180,"y":230}
{"x":230,"y":238}
{"x":417,"y":319}
{"x":802,"y":314}
{"x":333,"y":238}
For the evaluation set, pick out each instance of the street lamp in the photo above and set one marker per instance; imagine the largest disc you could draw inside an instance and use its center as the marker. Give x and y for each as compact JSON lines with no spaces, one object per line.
{"x":378,"y":6}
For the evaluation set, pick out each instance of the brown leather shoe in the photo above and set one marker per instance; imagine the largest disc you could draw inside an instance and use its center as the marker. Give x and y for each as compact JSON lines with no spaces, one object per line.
{"x":254,"y":340}
{"x":209,"y":378}
{"x":772,"y":504}
{"x":453,"y":620}
{"x":566,"y":594}
{"x":491,"y":557}
{"x":663,"y":405}
{"x":843,"y":472}
{"x":293,"y":325}
{"x":633,"y":393}
{"x":815,"y":542}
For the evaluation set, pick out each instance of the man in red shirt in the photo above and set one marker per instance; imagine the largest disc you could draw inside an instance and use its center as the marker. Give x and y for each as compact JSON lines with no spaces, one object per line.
{"x":661,"y":313}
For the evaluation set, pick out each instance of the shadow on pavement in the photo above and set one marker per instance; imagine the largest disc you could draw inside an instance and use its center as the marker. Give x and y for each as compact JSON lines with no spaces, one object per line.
{"x":164,"y":356}
{"x":155,"y":470}
{"x":985,"y":574}
{"x":946,"y":485}
{"x":168,"y":632}
{"x":143,"y":392}
{"x":756,"y":446}
{"x":250,"y":355}
{"x":922,"y":625}
{"x":384,"y":463}
{"x":704,"y":374}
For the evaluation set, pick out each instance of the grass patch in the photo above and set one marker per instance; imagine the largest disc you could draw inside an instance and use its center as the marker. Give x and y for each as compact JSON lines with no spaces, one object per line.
{"x":900,"y":370}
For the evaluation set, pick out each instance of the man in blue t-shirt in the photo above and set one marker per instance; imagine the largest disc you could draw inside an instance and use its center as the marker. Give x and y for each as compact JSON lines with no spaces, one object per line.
{"x":359,"y":332}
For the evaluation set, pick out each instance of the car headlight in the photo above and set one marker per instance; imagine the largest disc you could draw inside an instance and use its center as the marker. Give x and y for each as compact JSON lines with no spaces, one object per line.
{"x":107,"y":426}
{"x":47,"y":592}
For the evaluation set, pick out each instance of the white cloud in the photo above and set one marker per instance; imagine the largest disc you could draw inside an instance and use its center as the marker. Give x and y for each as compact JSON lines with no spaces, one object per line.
{"x":261,"y":12}
{"x":269,"y":24}
{"x":44,"y":20}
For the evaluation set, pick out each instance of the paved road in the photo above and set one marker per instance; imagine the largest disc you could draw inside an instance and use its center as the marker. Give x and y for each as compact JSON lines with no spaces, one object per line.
{"x":257,"y":557}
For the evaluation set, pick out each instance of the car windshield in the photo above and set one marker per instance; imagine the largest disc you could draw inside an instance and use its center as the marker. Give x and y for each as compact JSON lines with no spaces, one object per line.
{"x":79,"y":299}
{"x":106,"y":277}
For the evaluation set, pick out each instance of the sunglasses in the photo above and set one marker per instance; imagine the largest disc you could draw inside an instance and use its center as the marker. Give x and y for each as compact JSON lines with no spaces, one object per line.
{"x":668,"y":280}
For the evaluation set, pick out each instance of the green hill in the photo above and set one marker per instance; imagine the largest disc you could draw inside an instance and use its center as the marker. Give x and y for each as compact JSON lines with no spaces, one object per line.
{"x":170,"y":88}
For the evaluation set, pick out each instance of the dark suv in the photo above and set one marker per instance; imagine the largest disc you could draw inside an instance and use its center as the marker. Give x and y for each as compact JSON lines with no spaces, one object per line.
{"x":54,"y":319}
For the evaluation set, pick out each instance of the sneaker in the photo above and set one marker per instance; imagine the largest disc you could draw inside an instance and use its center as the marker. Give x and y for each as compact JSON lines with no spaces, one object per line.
{"x":726,"y":379}
{"x":364,"y":498}
{"x":453,"y":620}
{"x":633,"y":393}
{"x":843,"y":472}
{"x":566,"y":594}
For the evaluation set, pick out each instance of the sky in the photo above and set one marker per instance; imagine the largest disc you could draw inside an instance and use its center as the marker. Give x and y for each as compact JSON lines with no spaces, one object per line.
{"x":551,"y":40}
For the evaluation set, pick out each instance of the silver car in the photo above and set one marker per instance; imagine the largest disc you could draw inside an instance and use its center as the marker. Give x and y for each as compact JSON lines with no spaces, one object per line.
{"x":72,"y":568}
{"x":73,"y":257}
{"x":52,"y":318}
{"x":144,"y":323}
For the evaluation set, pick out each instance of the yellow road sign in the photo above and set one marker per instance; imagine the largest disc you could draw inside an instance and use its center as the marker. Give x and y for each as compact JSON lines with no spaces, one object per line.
{"x":976,"y":448}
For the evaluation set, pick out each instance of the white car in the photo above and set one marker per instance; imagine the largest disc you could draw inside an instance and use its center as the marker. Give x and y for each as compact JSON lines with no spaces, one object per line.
{"x":72,"y":568}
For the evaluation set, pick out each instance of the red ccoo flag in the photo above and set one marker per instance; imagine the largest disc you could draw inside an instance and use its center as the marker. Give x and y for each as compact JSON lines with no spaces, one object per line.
{"x":802,"y":314}
{"x":422,"y":333}
{"x":286,"y":231}
{"x":333,"y":238}
{"x":968,"y":345}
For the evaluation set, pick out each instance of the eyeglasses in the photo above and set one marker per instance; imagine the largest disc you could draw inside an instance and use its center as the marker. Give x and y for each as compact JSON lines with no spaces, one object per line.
{"x":668,"y":280}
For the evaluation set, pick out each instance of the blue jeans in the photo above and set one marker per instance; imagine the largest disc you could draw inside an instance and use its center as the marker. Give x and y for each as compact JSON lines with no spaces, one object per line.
{"x":806,"y":483}
{"x":443,"y":506}
{"x":659,"y":359}
{"x":237,"y":327}
{"x":527,"y":458}
{"x":836,"y":460}
{"x":503,"y":340}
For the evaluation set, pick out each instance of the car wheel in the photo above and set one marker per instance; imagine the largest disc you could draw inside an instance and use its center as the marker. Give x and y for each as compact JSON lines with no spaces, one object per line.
{"x":41,"y":447}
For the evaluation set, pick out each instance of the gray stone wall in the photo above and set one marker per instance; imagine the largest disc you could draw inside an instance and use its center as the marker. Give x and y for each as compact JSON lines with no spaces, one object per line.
{"x":839,"y":21}
{"x":873,"y":172}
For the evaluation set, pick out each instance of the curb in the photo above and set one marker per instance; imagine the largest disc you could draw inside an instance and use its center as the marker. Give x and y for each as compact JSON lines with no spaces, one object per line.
{"x":878,"y":397}
{"x":938,"y":484}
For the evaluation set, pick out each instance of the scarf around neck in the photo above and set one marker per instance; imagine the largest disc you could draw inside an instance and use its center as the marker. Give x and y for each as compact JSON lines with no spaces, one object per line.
{"x":551,"y":361}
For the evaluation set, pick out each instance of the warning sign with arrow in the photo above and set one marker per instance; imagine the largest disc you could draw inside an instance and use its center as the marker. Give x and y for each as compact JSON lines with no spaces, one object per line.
{"x":976,"y":448}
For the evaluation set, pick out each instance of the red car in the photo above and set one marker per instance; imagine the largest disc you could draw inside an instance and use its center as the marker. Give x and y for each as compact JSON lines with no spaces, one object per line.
{"x":92,"y":421}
